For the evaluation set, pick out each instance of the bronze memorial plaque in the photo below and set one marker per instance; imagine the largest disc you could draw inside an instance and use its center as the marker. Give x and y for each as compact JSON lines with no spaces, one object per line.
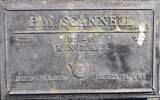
{"x":79,"y":51}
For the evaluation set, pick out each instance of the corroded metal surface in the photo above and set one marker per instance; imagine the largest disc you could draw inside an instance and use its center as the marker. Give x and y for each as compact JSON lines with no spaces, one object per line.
{"x":79,"y":50}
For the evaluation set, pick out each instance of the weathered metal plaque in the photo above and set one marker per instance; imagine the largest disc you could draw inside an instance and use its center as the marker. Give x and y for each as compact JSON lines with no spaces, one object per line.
{"x":79,"y":51}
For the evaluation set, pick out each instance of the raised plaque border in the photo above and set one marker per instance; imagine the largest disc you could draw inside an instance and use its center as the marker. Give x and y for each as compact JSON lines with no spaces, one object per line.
{"x":145,"y":90}
{"x":151,"y":4}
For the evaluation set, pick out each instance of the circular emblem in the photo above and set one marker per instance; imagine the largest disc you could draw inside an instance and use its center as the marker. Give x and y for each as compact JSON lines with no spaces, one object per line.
{"x":79,"y":69}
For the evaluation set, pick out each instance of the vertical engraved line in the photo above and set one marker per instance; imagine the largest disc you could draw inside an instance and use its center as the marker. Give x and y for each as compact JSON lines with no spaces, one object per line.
{"x":153,"y":86}
{"x":6,"y":56}
{"x":154,"y":67}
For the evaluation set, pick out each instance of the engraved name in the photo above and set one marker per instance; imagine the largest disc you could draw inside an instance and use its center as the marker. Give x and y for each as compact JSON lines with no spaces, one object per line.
{"x":77,"y":21}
